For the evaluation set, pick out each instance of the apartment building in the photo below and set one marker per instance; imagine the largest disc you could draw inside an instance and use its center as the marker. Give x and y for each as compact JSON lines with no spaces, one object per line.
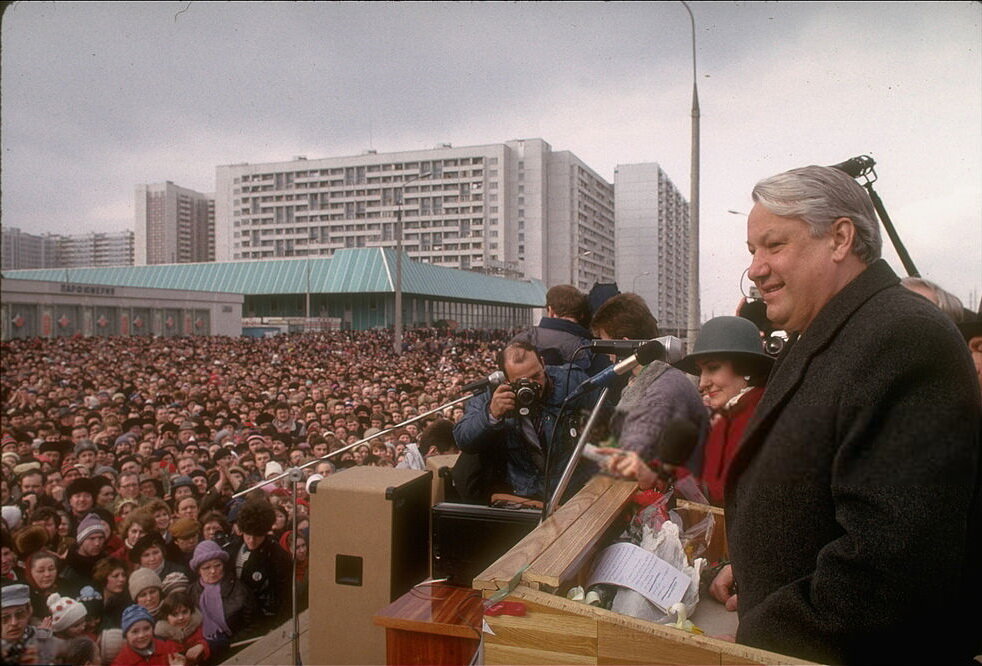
{"x":516,"y":209}
{"x":22,"y":250}
{"x":173,"y":225}
{"x":652,"y":220}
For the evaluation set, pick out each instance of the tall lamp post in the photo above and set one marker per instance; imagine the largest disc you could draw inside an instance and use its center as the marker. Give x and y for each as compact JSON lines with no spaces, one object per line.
{"x":397,"y":328}
{"x":634,"y":284}
{"x":694,"y":315}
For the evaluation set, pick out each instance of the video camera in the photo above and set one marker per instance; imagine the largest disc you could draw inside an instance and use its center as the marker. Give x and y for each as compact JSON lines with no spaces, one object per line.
{"x":755,"y":310}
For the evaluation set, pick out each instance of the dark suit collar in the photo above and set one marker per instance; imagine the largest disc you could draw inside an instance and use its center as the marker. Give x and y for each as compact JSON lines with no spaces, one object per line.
{"x":789,"y":370}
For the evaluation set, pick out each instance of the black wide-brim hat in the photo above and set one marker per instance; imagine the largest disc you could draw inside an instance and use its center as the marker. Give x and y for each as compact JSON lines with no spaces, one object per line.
{"x":731,"y":338}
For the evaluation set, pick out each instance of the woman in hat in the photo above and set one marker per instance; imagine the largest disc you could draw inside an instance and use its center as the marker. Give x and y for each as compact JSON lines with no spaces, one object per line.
{"x":732,"y":367}
{"x":227,"y":606}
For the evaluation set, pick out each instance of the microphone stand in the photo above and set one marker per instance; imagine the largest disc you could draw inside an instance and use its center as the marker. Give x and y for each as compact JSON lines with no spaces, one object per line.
{"x":295,"y":474}
{"x":574,"y":459}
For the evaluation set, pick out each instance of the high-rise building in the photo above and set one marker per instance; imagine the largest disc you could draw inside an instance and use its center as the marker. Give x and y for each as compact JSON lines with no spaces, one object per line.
{"x":652,"y":242}
{"x":95,"y":249}
{"x":174,"y":225}
{"x":515,"y":208}
{"x":23,"y":250}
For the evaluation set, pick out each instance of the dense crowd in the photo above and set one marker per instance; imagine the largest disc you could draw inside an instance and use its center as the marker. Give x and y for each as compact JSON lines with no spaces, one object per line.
{"x":120,"y":457}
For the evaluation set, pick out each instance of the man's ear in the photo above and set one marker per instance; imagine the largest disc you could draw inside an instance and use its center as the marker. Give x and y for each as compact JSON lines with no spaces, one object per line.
{"x":841,"y":235}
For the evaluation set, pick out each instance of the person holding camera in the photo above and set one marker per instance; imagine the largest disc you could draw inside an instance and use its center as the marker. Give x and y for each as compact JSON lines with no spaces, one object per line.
{"x":513,"y":431}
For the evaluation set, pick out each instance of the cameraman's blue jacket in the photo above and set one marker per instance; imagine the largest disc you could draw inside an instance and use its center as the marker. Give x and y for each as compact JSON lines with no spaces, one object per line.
{"x":524,"y":466}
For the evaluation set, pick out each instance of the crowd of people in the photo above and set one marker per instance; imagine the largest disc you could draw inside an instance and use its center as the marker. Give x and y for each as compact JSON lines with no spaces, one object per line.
{"x":120,"y":456}
{"x":848,"y":465}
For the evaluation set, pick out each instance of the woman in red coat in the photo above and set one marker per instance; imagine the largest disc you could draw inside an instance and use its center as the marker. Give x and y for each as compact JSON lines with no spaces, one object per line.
{"x":732,"y":367}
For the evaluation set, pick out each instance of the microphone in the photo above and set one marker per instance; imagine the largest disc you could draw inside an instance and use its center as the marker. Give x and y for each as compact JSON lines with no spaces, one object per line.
{"x":678,"y":441}
{"x":616,"y":347}
{"x":856,"y":166}
{"x":648,"y":351}
{"x":494,"y":380}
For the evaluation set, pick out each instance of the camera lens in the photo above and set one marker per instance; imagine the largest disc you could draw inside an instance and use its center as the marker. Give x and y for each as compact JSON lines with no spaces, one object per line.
{"x":525,"y":395}
{"x":774,"y":345}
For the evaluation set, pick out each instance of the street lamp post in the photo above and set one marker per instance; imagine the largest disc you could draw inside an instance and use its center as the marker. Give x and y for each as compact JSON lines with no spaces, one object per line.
{"x":634,"y":284}
{"x":397,"y":328}
{"x":694,"y":315}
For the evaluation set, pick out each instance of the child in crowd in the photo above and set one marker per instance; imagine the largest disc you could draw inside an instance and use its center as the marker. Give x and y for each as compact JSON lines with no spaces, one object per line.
{"x":181,"y":622}
{"x":141,"y":648}
{"x":67,"y":617}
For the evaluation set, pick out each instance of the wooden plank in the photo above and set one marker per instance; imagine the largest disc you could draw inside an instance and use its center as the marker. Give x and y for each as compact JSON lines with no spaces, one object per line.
{"x":529,"y":548}
{"x":506,"y":655}
{"x":569,"y":552}
{"x":551,"y":632}
{"x":731,"y":653}
{"x":617,"y":644}
{"x":276,"y":647}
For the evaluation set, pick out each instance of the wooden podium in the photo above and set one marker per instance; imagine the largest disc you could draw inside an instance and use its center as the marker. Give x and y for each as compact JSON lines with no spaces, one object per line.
{"x":556,"y":630}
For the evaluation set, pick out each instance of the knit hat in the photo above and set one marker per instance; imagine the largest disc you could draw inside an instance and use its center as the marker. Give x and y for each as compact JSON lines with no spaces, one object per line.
{"x":90,"y":525}
{"x":17,"y":594}
{"x":143,"y":579}
{"x":133,"y":614}
{"x":205,"y":552}
{"x":183,"y":528}
{"x":273,"y":468}
{"x":110,"y":643}
{"x":89,"y":597}
{"x":12,"y":515}
{"x":65,"y":612}
{"x":173,"y":582}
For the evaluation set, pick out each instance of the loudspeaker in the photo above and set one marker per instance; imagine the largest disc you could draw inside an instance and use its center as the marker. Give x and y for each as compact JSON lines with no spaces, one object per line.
{"x":368,"y":547}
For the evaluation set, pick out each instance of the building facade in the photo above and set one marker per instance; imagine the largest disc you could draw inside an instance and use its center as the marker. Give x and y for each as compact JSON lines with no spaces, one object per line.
{"x":173,"y":225}
{"x":516,"y":209}
{"x":652,"y":242}
{"x":24,"y":251}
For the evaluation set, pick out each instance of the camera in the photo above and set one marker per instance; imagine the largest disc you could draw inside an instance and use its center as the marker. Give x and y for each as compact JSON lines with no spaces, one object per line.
{"x":526,"y":395}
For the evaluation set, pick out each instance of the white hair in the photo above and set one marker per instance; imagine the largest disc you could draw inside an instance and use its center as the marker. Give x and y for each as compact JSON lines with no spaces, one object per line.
{"x":819,"y":196}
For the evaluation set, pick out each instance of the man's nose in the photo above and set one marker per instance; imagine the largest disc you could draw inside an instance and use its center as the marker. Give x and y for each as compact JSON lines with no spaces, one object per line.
{"x":758,"y":268}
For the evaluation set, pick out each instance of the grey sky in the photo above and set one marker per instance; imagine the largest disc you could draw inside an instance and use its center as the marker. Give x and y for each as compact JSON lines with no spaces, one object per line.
{"x":97,"y":97}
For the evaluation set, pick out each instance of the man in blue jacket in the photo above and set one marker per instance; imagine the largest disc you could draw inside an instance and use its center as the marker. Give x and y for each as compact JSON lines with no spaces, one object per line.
{"x":516,"y":449}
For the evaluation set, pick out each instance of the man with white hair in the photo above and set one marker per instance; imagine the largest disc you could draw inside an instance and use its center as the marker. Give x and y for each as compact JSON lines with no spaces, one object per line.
{"x":853,"y":503}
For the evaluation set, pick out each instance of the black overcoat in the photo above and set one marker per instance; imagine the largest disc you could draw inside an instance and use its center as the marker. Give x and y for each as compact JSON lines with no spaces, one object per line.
{"x":853,"y":503}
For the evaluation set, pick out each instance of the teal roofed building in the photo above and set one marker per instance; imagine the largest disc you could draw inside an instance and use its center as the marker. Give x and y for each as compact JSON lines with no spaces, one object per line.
{"x":354,"y":289}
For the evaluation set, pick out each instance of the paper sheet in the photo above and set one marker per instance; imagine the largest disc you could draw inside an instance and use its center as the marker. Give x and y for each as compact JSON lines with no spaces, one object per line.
{"x":627,"y":565}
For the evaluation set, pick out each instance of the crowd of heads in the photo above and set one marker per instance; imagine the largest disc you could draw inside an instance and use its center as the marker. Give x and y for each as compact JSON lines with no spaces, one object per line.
{"x":121,"y":456}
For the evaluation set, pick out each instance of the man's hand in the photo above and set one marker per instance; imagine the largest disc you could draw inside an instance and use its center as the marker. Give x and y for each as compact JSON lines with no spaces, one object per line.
{"x":502,"y":401}
{"x":722,"y":588}
{"x":628,"y":465}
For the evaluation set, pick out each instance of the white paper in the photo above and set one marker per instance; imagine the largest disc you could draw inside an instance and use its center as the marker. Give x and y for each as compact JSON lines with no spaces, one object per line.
{"x":627,"y":565}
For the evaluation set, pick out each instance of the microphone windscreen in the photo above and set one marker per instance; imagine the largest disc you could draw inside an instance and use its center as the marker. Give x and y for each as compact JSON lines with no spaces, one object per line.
{"x":678,"y":441}
{"x":652,"y":350}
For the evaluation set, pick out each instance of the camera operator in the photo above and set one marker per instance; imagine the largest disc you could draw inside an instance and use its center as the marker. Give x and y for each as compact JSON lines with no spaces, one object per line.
{"x":510,"y":430}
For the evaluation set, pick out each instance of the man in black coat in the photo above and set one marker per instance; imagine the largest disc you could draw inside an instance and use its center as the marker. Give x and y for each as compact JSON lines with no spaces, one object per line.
{"x":260,"y":563}
{"x":853,"y":503}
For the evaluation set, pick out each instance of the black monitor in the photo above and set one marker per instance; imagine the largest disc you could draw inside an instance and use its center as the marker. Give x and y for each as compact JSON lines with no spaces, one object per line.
{"x":468,"y":538}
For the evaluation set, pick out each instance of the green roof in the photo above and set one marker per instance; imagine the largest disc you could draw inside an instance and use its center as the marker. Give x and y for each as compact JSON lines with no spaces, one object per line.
{"x":351,"y":270}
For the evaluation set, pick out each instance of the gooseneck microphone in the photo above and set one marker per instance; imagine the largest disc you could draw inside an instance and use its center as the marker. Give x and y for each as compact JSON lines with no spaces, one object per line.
{"x":856,"y":166}
{"x":493,"y":380}
{"x":649,"y":351}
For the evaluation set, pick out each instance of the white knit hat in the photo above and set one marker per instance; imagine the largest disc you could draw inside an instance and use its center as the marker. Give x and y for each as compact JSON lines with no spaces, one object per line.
{"x":65,"y":612}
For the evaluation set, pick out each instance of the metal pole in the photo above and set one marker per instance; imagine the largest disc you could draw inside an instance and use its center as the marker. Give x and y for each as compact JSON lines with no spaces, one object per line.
{"x":295,"y":476}
{"x":694,"y":315}
{"x":397,"y":287}
{"x":350,"y":446}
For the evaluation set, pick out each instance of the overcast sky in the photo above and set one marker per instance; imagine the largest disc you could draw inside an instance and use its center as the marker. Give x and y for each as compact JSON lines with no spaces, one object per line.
{"x":98,"y":97}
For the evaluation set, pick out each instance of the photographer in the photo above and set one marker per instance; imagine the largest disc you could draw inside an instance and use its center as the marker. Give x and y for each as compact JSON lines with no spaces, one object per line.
{"x":510,"y":430}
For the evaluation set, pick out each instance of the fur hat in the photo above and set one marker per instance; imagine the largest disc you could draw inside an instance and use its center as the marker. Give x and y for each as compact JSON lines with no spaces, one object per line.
{"x":30,"y":540}
{"x":79,"y":485}
{"x":144,"y":543}
{"x":65,"y":612}
{"x":143,"y":579}
{"x":91,"y":524}
{"x":133,"y":614}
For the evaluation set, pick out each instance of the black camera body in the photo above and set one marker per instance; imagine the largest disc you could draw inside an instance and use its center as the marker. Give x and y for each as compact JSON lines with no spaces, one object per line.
{"x":526,"y":395}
